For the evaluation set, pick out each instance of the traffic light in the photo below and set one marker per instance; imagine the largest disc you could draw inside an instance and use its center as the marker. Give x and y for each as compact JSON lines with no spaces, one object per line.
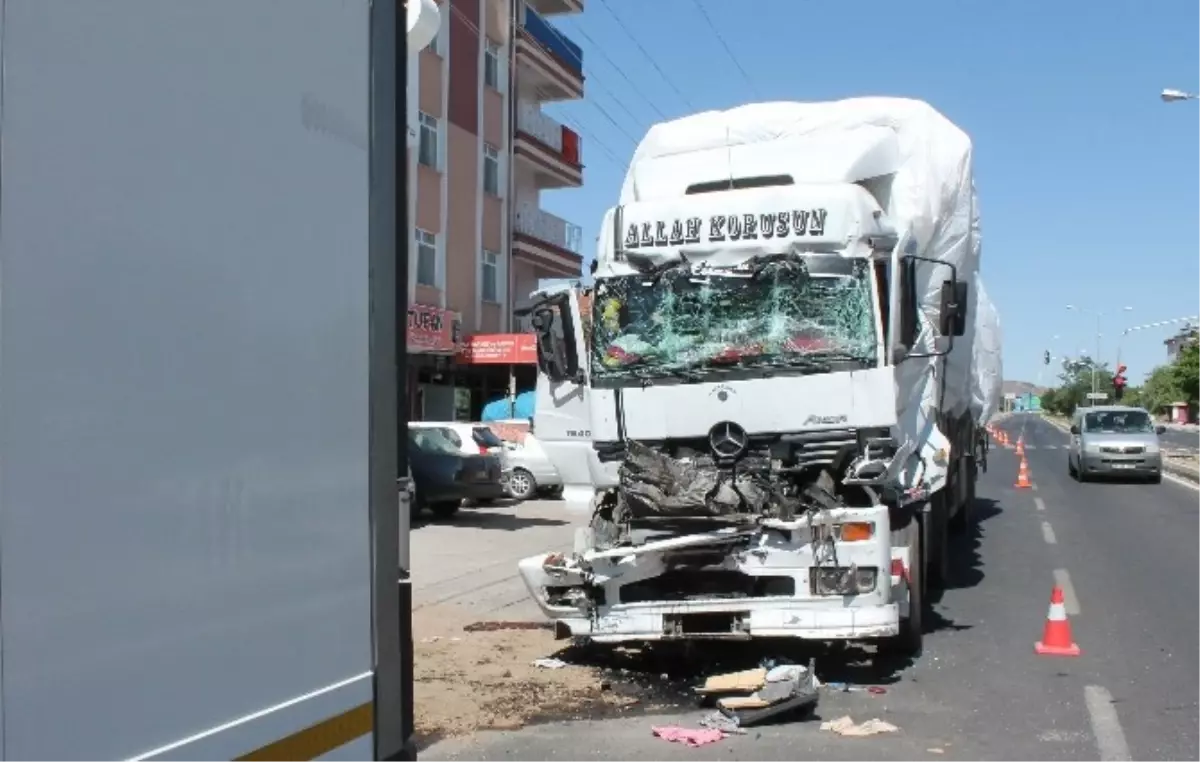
{"x":1046,"y":357}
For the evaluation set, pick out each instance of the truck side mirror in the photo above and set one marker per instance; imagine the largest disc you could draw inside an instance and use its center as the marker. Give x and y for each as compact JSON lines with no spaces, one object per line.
{"x":555,"y":358}
{"x":952,"y":315}
{"x":1160,"y":429}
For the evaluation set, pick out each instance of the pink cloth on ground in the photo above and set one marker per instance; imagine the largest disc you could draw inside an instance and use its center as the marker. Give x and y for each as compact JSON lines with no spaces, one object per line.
{"x":691,"y":736}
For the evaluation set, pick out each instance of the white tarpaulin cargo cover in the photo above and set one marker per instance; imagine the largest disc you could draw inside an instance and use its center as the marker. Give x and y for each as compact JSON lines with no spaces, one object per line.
{"x":931,"y":195}
{"x":989,"y":367}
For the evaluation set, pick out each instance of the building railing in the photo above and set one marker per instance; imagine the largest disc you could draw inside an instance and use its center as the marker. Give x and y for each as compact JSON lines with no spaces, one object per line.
{"x":540,"y":224}
{"x":553,"y":40}
{"x":534,"y":122}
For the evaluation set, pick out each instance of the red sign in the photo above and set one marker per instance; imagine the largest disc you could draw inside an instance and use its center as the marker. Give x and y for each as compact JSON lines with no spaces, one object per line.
{"x":499,"y":349}
{"x":430,"y":329}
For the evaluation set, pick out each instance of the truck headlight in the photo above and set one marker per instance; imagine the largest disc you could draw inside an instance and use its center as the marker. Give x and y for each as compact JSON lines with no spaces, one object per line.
{"x":842,"y":580}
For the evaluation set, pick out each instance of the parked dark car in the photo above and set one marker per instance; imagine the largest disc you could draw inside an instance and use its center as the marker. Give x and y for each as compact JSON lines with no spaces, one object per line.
{"x":444,"y":476}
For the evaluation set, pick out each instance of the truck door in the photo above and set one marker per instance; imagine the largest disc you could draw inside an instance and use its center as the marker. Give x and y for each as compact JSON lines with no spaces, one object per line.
{"x":563,"y":418}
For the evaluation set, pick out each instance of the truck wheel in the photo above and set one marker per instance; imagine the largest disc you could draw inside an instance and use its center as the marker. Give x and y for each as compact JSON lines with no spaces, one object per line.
{"x":964,"y":518}
{"x":909,"y":641}
{"x":444,"y":510}
{"x":936,"y":539}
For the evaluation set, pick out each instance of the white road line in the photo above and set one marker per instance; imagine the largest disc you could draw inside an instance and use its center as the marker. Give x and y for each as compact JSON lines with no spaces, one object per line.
{"x":1070,"y":600}
{"x":1184,"y":482}
{"x":1048,"y":533}
{"x":1039,"y":503}
{"x":1110,"y":738}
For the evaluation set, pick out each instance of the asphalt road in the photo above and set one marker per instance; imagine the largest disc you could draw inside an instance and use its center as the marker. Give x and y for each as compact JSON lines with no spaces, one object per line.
{"x":1127,"y":557}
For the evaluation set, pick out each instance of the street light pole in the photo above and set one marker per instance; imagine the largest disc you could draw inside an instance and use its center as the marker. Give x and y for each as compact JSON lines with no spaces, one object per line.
{"x":1194,"y":319}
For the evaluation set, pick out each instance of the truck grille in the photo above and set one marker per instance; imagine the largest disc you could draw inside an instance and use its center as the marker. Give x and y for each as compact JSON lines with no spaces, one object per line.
{"x":819,"y":448}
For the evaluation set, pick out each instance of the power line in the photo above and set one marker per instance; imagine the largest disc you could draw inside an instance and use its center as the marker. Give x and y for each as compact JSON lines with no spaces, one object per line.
{"x":649,"y":57}
{"x":728,"y":50}
{"x":599,"y":49}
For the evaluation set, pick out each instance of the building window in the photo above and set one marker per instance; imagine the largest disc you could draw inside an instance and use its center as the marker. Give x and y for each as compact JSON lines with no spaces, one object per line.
{"x":426,"y":258}
{"x":491,"y":65}
{"x":428,"y":152}
{"x":491,"y":170}
{"x":435,"y":45}
{"x":489,"y":277}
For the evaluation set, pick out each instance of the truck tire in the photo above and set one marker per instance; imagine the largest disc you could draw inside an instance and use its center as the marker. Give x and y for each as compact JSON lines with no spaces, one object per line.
{"x":963,"y":520}
{"x":936,"y":523}
{"x":909,"y":641}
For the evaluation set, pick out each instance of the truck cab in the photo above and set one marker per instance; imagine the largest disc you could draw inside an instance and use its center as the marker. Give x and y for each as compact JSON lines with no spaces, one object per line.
{"x":738,"y":400}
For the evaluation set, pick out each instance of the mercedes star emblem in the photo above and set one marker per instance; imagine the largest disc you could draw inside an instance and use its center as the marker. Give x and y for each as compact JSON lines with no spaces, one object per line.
{"x":728,"y":440}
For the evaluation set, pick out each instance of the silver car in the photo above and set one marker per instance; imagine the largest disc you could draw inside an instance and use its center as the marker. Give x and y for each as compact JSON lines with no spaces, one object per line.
{"x":1114,"y":441}
{"x":532,"y":470}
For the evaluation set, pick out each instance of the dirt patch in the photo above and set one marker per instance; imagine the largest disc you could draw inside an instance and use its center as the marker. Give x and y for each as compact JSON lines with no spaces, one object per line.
{"x":484,"y":679}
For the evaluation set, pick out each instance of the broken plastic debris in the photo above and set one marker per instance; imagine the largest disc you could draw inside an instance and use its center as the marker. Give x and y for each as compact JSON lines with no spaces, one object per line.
{"x":693,"y":737}
{"x":845,"y":726}
{"x":723,"y":723}
{"x":549,"y":663}
{"x":785,"y":690}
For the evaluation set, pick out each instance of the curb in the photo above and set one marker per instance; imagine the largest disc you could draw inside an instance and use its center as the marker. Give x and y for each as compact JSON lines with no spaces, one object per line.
{"x":1169,"y":466}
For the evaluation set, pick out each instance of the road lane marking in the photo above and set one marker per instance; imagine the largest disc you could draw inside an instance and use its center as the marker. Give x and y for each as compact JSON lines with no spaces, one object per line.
{"x":1070,"y":600}
{"x":1039,"y":503}
{"x":1048,"y":533}
{"x":1106,"y":726}
{"x":1173,"y":478}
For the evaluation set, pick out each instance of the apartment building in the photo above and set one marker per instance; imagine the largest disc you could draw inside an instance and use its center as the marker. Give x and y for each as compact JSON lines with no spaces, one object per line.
{"x":483,"y":152}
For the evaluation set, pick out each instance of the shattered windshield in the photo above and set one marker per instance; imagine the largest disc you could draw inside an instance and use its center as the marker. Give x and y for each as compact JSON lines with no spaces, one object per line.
{"x":688,"y":322}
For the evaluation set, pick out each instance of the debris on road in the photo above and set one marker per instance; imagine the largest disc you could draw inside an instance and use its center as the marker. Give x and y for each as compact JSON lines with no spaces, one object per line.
{"x":497,"y":626}
{"x":876,"y":690}
{"x":846,"y":726}
{"x":766,"y":693}
{"x":492,"y":678}
{"x":718,"y":721}
{"x":693,"y":737}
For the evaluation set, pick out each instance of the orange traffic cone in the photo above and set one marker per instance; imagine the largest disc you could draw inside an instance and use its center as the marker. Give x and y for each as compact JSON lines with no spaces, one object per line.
{"x":1023,"y":475}
{"x":1056,"y":638}
{"x":1021,"y":446}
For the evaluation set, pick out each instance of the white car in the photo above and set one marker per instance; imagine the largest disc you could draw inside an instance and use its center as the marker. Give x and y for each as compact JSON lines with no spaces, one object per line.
{"x":531,"y":469}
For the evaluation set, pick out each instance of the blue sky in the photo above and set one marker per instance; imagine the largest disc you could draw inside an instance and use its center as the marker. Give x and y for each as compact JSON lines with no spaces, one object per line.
{"x":1088,"y":183}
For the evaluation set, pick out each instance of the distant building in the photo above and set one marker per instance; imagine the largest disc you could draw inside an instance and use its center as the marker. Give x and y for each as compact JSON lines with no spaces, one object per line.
{"x":1180,"y":340}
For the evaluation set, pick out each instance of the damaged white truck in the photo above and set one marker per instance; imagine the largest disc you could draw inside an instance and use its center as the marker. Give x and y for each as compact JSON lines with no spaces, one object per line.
{"x":770,"y":397}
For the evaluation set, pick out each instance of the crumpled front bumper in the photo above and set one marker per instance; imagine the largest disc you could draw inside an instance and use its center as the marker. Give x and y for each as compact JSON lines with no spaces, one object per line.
{"x":593,"y":584}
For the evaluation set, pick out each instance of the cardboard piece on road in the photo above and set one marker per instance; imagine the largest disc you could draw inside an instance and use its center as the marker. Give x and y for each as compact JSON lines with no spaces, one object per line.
{"x":746,"y":681}
{"x":783,"y":690}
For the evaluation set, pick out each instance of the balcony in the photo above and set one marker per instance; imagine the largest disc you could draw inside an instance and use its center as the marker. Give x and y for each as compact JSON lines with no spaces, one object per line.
{"x":549,"y":64}
{"x":547,"y":241}
{"x":551,"y":150}
{"x":551,"y":7}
